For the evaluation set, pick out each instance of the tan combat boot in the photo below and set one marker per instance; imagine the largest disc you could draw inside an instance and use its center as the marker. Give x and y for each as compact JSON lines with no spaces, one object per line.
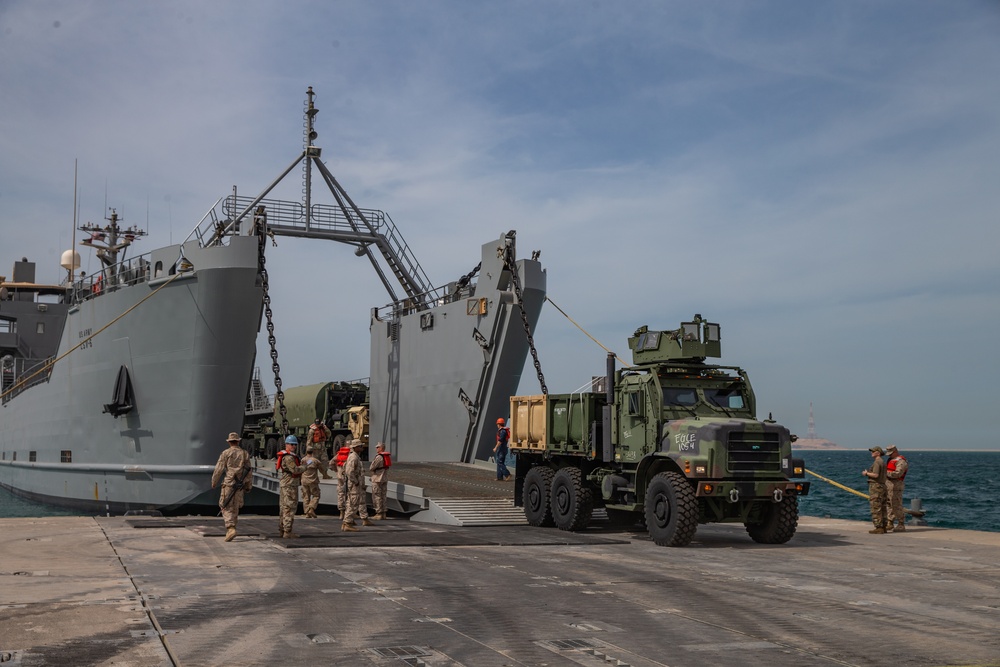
{"x":901,"y":527}
{"x":289,"y":535}
{"x":367,"y":522}
{"x":230,"y":534}
{"x":381,"y":516}
{"x":348,"y":528}
{"x":877,"y":531}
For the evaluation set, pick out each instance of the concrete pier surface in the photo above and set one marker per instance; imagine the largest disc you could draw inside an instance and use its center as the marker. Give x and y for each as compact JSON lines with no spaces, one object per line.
{"x":162,"y":591}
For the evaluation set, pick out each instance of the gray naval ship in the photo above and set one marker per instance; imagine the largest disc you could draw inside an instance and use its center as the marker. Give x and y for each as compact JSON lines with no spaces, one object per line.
{"x":118,"y":387}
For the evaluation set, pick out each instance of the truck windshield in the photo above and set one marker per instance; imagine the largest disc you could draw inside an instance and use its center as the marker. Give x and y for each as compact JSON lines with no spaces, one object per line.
{"x":729,"y":398}
{"x":683,"y":396}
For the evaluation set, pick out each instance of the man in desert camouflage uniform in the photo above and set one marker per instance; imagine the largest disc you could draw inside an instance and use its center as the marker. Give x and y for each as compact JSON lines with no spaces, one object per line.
{"x":233,"y":470}
{"x":356,"y":501}
{"x":877,"y":498}
{"x":380,"y":481}
{"x":291,"y":471}
{"x":339,"y":462}
{"x":895,"y":473}
{"x":317,"y":438}
{"x":310,"y":483}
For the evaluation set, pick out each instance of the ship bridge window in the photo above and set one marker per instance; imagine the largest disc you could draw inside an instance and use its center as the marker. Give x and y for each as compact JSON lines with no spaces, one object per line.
{"x":40,"y":327}
{"x":679,"y":396}
{"x":32,"y":456}
{"x":66,"y":456}
{"x":8,"y":326}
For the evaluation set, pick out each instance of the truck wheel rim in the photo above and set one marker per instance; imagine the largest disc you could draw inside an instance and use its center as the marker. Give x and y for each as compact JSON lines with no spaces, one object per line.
{"x":661,"y":511}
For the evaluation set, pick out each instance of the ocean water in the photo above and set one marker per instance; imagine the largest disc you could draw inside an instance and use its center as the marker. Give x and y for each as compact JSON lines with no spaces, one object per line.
{"x":956,"y":489}
{"x":16,"y":506}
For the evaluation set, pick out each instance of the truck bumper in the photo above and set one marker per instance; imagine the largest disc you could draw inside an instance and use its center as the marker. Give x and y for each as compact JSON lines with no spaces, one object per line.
{"x":737,"y":491}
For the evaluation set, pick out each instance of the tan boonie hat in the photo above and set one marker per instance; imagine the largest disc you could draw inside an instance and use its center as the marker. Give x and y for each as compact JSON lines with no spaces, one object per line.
{"x":233,"y":437}
{"x":876,"y":449}
{"x":891,"y":448}
{"x":356,"y":443}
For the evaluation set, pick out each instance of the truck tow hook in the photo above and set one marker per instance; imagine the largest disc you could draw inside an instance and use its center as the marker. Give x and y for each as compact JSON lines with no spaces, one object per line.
{"x":778,"y":495}
{"x":734,"y":496}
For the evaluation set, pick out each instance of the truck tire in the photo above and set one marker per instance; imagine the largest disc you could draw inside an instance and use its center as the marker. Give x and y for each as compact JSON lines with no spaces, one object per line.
{"x":671,"y":510}
{"x":271,"y":448}
{"x":572,"y":502}
{"x":338,"y":442}
{"x":778,"y":522}
{"x":535,"y":497}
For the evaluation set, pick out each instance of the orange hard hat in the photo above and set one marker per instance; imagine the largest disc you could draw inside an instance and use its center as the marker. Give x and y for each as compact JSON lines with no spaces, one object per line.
{"x":500,"y":421}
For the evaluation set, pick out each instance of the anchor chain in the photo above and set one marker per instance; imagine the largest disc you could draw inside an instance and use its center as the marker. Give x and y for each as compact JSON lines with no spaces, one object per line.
{"x":464,"y":280}
{"x":260,"y":228}
{"x":508,"y":260}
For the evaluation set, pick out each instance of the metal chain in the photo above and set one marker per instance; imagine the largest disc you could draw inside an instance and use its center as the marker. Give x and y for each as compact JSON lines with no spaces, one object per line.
{"x":260,"y":223}
{"x":464,"y":280}
{"x":516,"y":280}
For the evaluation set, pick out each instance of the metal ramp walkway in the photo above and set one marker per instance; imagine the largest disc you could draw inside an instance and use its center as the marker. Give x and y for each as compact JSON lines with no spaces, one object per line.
{"x":441,"y":493}
{"x":471,"y":512}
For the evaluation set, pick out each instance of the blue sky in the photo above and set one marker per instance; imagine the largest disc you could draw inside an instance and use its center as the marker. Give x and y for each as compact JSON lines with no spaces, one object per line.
{"x":821,"y":178}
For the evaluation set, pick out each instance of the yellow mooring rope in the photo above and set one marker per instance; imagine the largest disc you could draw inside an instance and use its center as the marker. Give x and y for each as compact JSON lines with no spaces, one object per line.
{"x":49,"y":364}
{"x":858,"y":493}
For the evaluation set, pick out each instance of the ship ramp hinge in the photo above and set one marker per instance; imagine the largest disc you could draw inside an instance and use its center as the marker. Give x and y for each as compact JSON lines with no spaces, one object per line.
{"x":469,"y":405}
{"x":481,"y":339}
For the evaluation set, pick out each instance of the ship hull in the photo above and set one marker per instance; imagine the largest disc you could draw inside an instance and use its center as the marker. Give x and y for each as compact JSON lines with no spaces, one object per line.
{"x":189,"y":350}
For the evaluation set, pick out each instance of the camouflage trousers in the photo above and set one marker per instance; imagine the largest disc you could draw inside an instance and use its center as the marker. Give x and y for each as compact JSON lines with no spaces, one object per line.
{"x":356,"y":504}
{"x":310,"y":497}
{"x":341,"y":492}
{"x":231,"y":510}
{"x":378,"y":496}
{"x":894,"y":489}
{"x":287,"y":505}
{"x":878,"y":499}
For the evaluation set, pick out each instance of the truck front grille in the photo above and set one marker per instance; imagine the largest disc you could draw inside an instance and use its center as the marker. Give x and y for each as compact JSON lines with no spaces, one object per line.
{"x":754,"y":452}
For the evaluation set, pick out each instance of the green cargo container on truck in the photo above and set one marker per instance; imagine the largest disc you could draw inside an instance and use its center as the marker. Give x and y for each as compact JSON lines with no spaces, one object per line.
{"x":343,"y":407}
{"x":672,"y":441}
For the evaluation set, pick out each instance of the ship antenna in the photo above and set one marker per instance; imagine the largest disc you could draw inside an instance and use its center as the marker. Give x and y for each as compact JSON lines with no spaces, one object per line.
{"x":72,"y":246}
{"x":309,"y":135}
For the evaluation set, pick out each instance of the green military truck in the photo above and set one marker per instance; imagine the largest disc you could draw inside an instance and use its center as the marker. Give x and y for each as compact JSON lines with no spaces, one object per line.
{"x":670,"y":441}
{"x":343,"y":407}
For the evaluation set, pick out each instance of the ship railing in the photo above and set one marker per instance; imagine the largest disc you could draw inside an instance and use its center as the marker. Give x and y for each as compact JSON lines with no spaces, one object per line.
{"x":125,"y":273}
{"x":438,"y":296}
{"x":332,"y":222}
{"x":258,"y":399}
{"x":18,"y":374}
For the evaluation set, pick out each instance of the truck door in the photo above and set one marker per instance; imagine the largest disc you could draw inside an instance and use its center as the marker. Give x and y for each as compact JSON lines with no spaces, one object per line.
{"x":638,"y":416}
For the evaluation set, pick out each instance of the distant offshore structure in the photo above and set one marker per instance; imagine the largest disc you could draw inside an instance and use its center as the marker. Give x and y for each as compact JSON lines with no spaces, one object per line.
{"x":812,"y":441}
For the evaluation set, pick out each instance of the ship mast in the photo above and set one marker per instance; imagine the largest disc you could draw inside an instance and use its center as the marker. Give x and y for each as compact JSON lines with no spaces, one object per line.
{"x":110,"y":241}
